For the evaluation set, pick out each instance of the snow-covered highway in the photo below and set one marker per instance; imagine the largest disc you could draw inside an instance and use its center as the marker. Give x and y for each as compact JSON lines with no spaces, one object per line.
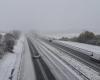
{"x":78,"y":66}
{"x":57,"y":67}
{"x":79,"y":53}
{"x":82,"y":64}
{"x":63,"y":62}
{"x":62,"y":65}
{"x":37,"y":58}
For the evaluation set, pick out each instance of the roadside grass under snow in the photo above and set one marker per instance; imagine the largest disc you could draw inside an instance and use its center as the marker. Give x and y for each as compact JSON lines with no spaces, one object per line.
{"x":11,"y":61}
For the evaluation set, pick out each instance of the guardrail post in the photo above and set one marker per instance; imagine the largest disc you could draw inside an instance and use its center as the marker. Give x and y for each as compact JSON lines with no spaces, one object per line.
{"x":11,"y":75}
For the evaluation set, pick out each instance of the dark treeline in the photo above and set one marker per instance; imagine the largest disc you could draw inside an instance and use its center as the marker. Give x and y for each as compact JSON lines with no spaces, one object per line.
{"x":7,"y":42}
{"x":85,"y":37}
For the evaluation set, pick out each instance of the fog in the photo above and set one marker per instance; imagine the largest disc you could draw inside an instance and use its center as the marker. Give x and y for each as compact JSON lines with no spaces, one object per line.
{"x":69,"y":16}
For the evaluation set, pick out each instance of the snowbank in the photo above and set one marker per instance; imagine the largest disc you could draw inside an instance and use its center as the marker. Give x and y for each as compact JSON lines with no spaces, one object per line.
{"x":11,"y":61}
{"x":91,"y":50}
{"x":87,"y":47}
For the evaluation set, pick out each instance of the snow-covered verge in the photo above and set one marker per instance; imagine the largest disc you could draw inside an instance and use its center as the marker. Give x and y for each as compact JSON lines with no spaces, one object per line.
{"x":85,"y":48}
{"x":27,"y":71}
{"x":88,"y":47}
{"x":10,"y":63}
{"x":84,"y":69}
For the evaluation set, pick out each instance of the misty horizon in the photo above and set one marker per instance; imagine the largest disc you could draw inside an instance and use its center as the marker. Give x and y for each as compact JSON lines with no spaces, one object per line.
{"x":50,"y":16}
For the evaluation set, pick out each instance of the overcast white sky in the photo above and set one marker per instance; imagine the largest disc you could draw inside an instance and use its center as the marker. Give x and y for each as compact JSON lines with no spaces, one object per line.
{"x":50,"y":15}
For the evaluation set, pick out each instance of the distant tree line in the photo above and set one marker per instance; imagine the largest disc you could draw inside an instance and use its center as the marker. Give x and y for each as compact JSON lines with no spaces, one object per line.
{"x":85,"y":37}
{"x":7,"y":42}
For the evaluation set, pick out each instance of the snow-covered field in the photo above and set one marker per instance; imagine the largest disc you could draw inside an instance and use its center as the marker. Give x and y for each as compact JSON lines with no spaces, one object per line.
{"x":11,"y":61}
{"x":59,"y":35}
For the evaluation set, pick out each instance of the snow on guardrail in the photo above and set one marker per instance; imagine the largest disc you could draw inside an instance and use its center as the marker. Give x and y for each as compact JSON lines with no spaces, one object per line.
{"x":85,"y":48}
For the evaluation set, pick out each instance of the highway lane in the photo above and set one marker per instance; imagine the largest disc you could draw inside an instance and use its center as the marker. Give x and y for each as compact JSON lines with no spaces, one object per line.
{"x":41,"y":69}
{"x":57,"y":66}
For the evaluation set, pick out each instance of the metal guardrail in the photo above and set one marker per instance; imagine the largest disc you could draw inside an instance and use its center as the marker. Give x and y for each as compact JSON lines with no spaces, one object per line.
{"x":78,"y":49}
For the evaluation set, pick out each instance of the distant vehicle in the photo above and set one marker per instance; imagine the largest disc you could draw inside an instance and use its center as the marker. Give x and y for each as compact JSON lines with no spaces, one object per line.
{"x":95,"y":56}
{"x":50,"y":40}
{"x":36,"y":57}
